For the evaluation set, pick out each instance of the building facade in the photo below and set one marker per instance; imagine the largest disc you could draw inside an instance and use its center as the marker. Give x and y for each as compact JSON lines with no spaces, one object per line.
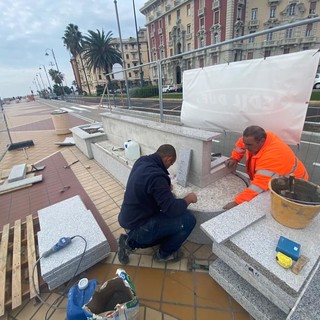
{"x":178,"y":27}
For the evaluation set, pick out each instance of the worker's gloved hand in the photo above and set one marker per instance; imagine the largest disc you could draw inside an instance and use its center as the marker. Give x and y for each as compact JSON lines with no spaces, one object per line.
{"x":230,"y":205}
{"x":232,"y":164}
{"x":190,"y":198}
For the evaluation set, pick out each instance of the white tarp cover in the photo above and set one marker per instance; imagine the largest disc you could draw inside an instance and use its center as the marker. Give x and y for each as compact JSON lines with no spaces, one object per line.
{"x":272,"y":93}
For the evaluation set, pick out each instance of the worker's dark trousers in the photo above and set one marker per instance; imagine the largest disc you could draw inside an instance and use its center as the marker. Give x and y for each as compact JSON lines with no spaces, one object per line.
{"x":169,"y":232}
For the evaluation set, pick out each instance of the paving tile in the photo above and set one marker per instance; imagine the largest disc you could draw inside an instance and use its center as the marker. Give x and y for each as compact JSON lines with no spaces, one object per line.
{"x":180,"y":311}
{"x":153,"y":314}
{"x":179,"y":287}
{"x":209,"y":293}
{"x":148,"y":283}
{"x":214,"y":314}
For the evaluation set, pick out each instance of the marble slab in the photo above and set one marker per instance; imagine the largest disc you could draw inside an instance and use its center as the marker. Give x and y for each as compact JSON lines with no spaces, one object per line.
{"x":246,"y":295}
{"x":184,"y":159}
{"x":229,"y":223}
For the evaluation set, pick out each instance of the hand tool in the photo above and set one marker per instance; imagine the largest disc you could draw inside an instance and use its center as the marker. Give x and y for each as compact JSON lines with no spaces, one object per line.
{"x":68,"y":166}
{"x":298,"y":266}
{"x":191,"y":265}
{"x":62,"y":243}
{"x":283,"y":260}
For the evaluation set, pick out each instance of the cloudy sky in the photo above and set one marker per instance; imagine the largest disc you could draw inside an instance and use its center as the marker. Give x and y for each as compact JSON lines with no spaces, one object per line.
{"x":28,"y":28}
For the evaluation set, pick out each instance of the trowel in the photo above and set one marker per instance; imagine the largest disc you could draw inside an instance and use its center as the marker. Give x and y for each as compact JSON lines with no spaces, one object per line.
{"x":289,"y":194}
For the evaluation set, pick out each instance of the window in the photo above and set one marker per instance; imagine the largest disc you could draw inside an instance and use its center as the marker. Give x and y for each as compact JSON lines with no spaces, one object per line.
{"x":214,"y":59}
{"x":169,"y":19}
{"x":133,"y":56}
{"x":239,"y":12}
{"x":178,"y":14}
{"x":154,"y":56}
{"x":170,"y":36}
{"x":312,"y":9}
{"x":129,"y":74}
{"x":267,"y":53}
{"x":202,"y":42}
{"x":161,"y":40}
{"x":160,"y":23}
{"x":308,"y":30}
{"x":189,"y":47}
{"x":201,"y":62}
{"x":201,"y":4}
{"x":254,"y":13}
{"x":201,"y":23}
{"x":126,"y":47}
{"x":216,"y":38}
{"x":273,"y":11}
{"x":153,"y":43}
{"x":251,"y":40}
{"x":152,"y":27}
{"x":171,"y":52}
{"x":216,"y":17}
{"x":127,"y":56}
{"x":269,"y":36}
{"x":100,"y":78}
{"x":250,"y":55}
{"x":162,"y":54}
{"x":188,"y":10}
{"x":292,"y":8}
{"x":286,"y":50}
{"x":188,"y":28}
{"x":132,"y":45}
{"x":288,"y":33}
{"x":128,"y":65}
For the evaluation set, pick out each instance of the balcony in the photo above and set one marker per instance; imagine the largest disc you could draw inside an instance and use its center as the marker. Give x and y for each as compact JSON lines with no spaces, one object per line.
{"x":241,"y":2}
{"x":290,"y":41}
{"x":168,"y":7}
{"x":215,"y":4}
{"x":160,"y":31}
{"x":188,"y":36}
{"x":275,"y":2}
{"x":214,"y":50}
{"x":254,"y":23}
{"x":270,"y":43}
{"x":309,"y":40}
{"x":201,"y":12}
{"x":238,"y":46}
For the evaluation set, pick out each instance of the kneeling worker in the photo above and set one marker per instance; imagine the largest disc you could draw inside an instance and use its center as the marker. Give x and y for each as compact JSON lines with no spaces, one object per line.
{"x":150,"y":213}
{"x":267,"y":156}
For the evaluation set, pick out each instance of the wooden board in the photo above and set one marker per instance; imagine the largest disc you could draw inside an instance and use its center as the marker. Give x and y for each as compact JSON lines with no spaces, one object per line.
{"x":17,"y":260}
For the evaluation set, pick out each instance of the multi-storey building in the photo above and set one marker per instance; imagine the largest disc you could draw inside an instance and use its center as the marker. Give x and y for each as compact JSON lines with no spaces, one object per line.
{"x":135,"y":53}
{"x":179,"y":27}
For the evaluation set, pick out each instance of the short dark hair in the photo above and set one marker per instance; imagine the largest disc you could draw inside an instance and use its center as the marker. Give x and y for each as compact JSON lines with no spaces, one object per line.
{"x":166,"y":150}
{"x":255,"y":131}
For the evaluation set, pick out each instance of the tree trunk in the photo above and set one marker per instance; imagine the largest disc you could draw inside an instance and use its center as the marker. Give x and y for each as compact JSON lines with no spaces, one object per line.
{"x":85,"y":75}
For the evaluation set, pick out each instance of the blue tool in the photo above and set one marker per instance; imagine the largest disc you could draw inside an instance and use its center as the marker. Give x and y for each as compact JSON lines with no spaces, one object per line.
{"x":289,"y":248}
{"x":62,"y":243}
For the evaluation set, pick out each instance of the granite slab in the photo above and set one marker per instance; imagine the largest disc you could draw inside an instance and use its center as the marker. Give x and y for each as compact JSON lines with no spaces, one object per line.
{"x":184,"y":159}
{"x":246,"y":295}
{"x":20,"y":183}
{"x":18,"y":172}
{"x":229,"y":223}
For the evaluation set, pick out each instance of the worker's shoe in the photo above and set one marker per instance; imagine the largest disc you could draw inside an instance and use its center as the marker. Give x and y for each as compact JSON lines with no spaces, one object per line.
{"x":173,"y":257}
{"x":123,"y":249}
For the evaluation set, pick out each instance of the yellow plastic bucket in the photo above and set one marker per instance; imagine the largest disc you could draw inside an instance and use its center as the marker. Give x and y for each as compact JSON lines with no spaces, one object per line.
{"x":293,"y":214}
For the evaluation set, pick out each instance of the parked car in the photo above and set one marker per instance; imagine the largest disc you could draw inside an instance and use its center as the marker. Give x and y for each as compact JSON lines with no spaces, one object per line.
{"x":316,"y":84}
{"x":168,"y":88}
{"x":52,"y":96}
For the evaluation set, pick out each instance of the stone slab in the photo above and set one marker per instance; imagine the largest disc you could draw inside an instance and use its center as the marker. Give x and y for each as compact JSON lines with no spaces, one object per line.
{"x":246,"y":295}
{"x":18,"y":172}
{"x":184,"y":159}
{"x":20,"y":183}
{"x":308,"y":308}
{"x":258,"y":243}
{"x":67,"y":218}
{"x":229,"y":223}
{"x":256,"y":278}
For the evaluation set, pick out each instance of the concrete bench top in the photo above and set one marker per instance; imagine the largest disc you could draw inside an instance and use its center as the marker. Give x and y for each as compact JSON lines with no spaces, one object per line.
{"x":198,"y":134}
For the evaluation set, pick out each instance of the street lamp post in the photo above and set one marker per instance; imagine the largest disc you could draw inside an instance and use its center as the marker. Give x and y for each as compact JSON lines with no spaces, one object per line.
{"x":123,"y":57}
{"x":45,"y":70}
{"x":44,"y":87}
{"x":35,"y":82}
{"x":138,"y":43}
{"x":55,"y":61}
{"x":38,"y":82}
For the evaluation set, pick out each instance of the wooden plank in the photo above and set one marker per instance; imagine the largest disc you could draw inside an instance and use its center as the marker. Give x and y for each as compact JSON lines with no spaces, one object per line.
{"x":3,"y":263}
{"x":32,"y":258}
{"x":16,"y":266}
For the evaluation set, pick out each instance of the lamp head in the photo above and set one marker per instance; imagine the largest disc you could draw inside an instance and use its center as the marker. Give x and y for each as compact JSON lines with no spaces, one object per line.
{"x":47,"y":54}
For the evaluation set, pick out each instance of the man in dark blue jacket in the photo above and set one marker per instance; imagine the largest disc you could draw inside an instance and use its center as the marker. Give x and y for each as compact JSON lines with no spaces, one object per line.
{"x":150,"y":213}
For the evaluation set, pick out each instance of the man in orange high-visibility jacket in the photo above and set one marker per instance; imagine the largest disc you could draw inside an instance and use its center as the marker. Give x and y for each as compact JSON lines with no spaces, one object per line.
{"x":267,"y":156}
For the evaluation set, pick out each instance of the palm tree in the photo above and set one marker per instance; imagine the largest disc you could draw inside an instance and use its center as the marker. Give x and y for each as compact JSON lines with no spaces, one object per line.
{"x":72,"y":39}
{"x":99,"y":52}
